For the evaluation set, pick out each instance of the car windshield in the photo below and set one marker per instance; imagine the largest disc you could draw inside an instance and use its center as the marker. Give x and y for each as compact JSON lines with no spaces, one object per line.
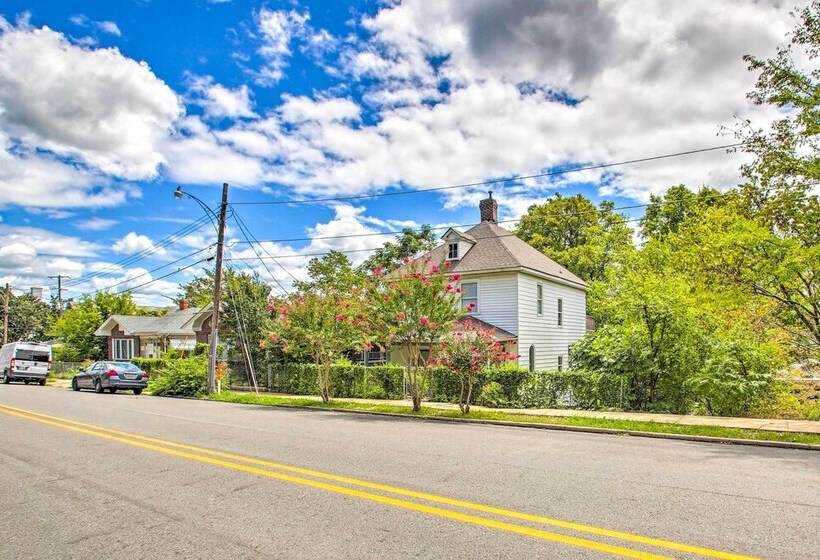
{"x":124,"y":366}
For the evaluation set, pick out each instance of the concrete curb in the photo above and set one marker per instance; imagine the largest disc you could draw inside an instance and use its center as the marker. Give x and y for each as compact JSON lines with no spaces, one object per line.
{"x":559,"y":427}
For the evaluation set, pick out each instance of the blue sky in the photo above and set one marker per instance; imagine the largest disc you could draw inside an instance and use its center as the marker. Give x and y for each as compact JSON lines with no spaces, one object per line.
{"x":108,"y":106}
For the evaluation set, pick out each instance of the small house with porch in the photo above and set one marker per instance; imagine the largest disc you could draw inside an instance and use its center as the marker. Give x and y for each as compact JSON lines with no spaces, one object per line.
{"x":181,"y":329}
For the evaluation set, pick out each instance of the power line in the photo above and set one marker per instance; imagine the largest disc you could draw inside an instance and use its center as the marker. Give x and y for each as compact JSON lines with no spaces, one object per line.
{"x":131,"y":259}
{"x":437,"y":228}
{"x":245,"y":234}
{"x":493,"y":181}
{"x":177,"y":271}
{"x":244,"y":225}
{"x":166,"y":265}
{"x":346,"y":251}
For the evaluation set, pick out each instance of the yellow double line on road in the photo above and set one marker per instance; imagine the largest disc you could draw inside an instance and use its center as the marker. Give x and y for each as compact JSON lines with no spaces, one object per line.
{"x":279,"y":471}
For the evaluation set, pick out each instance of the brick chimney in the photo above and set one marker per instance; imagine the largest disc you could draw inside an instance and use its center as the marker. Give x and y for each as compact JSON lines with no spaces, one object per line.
{"x":183,"y":304}
{"x":489,"y":209}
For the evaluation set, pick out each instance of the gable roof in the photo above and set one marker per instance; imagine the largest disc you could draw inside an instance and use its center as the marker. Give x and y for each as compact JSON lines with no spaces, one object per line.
{"x":496,"y":248}
{"x":178,"y":322}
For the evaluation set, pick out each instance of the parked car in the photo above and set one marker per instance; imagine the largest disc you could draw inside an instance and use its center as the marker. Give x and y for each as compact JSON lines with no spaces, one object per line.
{"x":25,"y":361}
{"x":112,"y":376}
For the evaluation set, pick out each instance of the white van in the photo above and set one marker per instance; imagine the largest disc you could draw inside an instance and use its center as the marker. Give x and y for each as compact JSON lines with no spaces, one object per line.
{"x":25,"y":361}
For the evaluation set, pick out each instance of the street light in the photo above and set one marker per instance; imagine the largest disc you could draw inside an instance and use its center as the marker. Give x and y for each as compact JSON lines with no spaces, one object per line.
{"x":220,"y":241}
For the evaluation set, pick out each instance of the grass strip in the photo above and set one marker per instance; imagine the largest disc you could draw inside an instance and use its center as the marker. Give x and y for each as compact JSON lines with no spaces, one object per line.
{"x":573,"y":421}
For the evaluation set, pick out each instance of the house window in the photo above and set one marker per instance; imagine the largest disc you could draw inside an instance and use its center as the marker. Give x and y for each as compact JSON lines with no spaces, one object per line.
{"x":560,"y":312}
{"x":560,"y":362}
{"x":532,"y":357}
{"x":539,"y":299}
{"x":469,"y":296}
{"x":452,"y":251}
{"x":123,"y":348}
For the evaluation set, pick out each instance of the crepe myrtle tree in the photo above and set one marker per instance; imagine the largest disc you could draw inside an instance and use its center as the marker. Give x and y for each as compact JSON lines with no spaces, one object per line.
{"x":412,"y":309}
{"x":465,"y":353}
{"x":322,"y":324}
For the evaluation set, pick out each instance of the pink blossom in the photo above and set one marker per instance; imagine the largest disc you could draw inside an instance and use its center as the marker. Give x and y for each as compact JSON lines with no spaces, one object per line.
{"x":400,"y":316}
{"x":271,"y":307}
{"x":405,"y":260}
{"x":386,"y":298}
{"x":377,"y":271}
{"x":470,"y":306}
{"x":456,"y":277}
{"x":458,"y":290}
{"x":340,"y":318}
{"x":426,"y":259}
{"x":424,"y":320}
{"x":448,"y":288}
{"x":447,"y":264}
{"x":274,"y":338}
{"x":434,"y":269}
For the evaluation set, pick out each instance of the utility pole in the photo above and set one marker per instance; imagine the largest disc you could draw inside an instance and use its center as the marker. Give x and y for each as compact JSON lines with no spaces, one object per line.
{"x":60,"y":278}
{"x":7,"y":296}
{"x":220,"y":242}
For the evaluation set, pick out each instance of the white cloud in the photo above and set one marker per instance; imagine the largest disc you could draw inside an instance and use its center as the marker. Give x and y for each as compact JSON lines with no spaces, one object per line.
{"x":196,"y":155}
{"x":106,"y":110}
{"x":219,"y":101}
{"x":134,"y":242}
{"x":277,"y":28}
{"x":96,"y":224}
{"x":106,"y":26}
{"x":470,"y":90}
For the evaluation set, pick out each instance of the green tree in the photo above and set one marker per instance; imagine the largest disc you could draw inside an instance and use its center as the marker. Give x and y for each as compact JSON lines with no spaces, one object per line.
{"x":575,"y":233}
{"x":75,"y":328}
{"x":332,"y":271}
{"x":666,"y":213}
{"x":407,"y":244}
{"x":321,"y":324}
{"x":467,"y":352}
{"x":244,"y":308}
{"x":115,"y":304}
{"x":29,"y":318}
{"x":411,"y":309}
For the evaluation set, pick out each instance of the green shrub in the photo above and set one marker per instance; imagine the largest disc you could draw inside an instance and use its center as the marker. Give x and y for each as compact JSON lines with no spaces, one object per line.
{"x":510,"y":377}
{"x":149,"y":364}
{"x":182,"y":377}
{"x":347,"y":380}
{"x":492,"y":395}
{"x":575,"y":388}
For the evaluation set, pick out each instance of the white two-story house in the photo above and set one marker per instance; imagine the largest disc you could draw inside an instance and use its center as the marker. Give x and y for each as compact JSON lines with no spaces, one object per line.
{"x":536,"y":307}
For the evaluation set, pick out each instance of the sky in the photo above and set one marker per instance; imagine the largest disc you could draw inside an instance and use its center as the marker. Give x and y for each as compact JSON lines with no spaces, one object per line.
{"x":107,"y":107}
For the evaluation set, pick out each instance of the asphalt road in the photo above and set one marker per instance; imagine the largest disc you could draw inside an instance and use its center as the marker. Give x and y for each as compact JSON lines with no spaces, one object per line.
{"x":116,"y":486}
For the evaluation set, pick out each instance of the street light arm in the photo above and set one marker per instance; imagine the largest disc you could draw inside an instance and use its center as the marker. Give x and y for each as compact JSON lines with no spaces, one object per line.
{"x":179,"y":193}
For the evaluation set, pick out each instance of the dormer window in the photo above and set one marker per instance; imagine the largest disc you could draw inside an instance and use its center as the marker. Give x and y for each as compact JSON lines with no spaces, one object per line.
{"x":452,"y":251}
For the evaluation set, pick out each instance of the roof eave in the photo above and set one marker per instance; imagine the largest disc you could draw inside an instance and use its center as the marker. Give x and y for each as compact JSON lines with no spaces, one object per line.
{"x":532,"y":271}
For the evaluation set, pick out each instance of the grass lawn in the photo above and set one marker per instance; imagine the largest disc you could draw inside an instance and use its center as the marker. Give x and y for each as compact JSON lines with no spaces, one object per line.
{"x":428,"y":412}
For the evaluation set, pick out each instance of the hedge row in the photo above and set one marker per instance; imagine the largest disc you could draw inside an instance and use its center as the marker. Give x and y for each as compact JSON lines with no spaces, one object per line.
{"x":507,"y":386}
{"x":370,"y":382}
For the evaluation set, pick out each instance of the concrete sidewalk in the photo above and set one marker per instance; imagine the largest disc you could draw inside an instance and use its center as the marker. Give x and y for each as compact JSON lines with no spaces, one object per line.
{"x":770,"y":424}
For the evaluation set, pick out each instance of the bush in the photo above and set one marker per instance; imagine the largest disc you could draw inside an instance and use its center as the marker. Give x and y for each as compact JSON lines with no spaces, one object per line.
{"x":183,"y":377}
{"x":510,"y":377}
{"x":492,"y":395}
{"x":150,"y":365}
{"x":575,"y":388}
{"x":347,"y":380}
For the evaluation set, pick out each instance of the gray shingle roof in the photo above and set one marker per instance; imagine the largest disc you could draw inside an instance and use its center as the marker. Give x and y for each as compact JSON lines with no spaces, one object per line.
{"x":497,"y":248}
{"x":176,"y":322}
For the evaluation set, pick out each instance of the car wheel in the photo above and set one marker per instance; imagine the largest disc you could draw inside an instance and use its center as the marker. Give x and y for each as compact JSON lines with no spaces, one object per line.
{"x":6,"y":378}
{"x":74,"y":385}
{"x":137,"y":391}
{"x":98,"y":388}
{"x":26,"y":381}
{"x":42,"y":382}
{"x":112,"y":390}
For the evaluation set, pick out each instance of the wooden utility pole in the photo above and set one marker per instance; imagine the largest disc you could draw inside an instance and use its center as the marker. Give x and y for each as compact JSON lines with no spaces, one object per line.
{"x":6,"y":298}
{"x":220,"y":242}
{"x":60,"y":278}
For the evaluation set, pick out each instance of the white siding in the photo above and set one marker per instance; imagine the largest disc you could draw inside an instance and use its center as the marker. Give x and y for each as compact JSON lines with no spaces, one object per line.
{"x":497,"y":299}
{"x":550,"y":340}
